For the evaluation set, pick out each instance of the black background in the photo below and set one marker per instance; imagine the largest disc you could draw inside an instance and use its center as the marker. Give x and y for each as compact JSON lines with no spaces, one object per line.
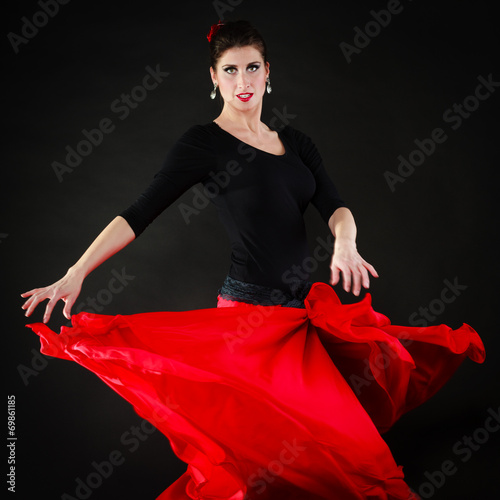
{"x":439,"y":224}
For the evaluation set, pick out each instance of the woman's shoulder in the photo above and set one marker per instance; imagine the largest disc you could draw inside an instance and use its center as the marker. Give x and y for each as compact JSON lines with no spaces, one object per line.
{"x":198,"y":135}
{"x":295,"y":136}
{"x":197,"y":130}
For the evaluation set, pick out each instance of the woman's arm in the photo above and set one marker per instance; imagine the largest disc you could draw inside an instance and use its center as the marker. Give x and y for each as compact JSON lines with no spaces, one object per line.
{"x":346,"y":259}
{"x":115,"y":236}
{"x":191,"y":159}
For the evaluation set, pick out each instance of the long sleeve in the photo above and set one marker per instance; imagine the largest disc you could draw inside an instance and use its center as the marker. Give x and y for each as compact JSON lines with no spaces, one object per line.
{"x":189,"y":161}
{"x":326,"y":198}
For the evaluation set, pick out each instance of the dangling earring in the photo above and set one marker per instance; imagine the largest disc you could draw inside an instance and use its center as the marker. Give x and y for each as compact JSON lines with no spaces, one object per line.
{"x":214,"y":91}
{"x":268,"y":88}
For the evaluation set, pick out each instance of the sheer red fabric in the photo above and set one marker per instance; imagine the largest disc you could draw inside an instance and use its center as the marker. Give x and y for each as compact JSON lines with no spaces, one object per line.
{"x":271,"y":402}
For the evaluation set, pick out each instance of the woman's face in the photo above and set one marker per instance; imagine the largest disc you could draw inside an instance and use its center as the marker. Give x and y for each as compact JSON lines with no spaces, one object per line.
{"x":241,"y":77}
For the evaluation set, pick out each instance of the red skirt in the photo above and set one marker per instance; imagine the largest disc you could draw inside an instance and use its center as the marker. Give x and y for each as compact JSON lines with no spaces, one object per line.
{"x":271,"y":402}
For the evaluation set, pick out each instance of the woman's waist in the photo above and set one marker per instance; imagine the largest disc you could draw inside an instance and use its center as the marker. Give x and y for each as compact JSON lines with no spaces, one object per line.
{"x":289,"y":294}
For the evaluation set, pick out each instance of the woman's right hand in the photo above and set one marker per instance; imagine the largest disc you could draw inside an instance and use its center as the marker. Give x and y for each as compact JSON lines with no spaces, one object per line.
{"x":66,"y":289}
{"x":116,"y":235}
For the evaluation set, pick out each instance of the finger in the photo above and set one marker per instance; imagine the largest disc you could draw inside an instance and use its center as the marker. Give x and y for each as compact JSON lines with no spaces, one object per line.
{"x":346,"y":274}
{"x":48,"y":309}
{"x":356,"y":282}
{"x":31,"y":292}
{"x":365,"y":277}
{"x":370,"y":268}
{"x":28,"y":302}
{"x":67,"y":307}
{"x":334,"y":275}
{"x":34,"y":301}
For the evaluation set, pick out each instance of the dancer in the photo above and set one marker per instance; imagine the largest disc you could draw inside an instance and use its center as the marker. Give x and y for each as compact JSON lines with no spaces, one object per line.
{"x":281,"y":391}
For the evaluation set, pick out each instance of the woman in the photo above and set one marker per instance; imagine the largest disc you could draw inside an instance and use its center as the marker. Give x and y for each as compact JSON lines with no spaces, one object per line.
{"x":284,"y":394}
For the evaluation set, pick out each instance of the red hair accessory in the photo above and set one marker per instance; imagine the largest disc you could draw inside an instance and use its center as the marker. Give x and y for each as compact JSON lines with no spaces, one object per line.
{"x":214,"y":29}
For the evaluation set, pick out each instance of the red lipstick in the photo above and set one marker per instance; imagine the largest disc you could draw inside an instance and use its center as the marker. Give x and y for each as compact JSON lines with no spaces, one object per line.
{"x":245,"y":97}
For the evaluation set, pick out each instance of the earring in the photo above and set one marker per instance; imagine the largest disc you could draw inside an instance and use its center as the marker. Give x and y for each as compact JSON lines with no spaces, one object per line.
{"x":214,"y":91}
{"x":268,"y":88}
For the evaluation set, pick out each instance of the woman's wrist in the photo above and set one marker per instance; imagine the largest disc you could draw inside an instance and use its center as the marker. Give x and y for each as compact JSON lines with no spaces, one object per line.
{"x":344,"y":242}
{"x":76,"y":272}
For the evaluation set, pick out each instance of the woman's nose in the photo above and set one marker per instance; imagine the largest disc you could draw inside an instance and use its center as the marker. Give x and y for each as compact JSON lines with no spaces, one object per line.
{"x":243,"y":80}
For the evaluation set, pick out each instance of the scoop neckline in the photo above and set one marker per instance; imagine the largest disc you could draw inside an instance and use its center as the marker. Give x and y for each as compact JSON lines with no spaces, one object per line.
{"x":257,"y":149}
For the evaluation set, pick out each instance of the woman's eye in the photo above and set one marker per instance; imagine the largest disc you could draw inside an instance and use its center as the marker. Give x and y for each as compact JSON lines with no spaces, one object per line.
{"x":252,"y":68}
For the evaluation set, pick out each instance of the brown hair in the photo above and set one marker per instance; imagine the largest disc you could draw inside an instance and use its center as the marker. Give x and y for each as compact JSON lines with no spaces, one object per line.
{"x":237,"y":34}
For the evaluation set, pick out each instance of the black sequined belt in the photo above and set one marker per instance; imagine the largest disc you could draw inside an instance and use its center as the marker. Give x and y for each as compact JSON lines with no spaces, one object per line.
{"x":251,"y":293}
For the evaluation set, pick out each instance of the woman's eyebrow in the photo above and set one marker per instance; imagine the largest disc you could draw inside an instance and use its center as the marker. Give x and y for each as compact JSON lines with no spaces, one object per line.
{"x":255,"y":62}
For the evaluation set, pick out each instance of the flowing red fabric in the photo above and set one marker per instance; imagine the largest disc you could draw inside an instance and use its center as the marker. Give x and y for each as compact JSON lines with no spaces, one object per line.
{"x":271,"y":402}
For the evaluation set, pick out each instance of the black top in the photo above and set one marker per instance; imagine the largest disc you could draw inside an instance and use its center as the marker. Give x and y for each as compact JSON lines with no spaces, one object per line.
{"x":260,"y":197}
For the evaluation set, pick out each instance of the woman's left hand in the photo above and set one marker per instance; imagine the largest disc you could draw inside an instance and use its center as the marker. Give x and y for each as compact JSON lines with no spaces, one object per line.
{"x":354,"y":268}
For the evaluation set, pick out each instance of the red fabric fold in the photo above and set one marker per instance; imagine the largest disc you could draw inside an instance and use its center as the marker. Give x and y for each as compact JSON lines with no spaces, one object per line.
{"x":271,"y":402}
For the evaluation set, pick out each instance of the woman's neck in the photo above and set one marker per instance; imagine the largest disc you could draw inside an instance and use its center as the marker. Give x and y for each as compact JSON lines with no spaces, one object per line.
{"x":249,"y":121}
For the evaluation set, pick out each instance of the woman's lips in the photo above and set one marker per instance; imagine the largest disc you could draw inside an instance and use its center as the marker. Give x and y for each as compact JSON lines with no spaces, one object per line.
{"x":244,"y":97}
